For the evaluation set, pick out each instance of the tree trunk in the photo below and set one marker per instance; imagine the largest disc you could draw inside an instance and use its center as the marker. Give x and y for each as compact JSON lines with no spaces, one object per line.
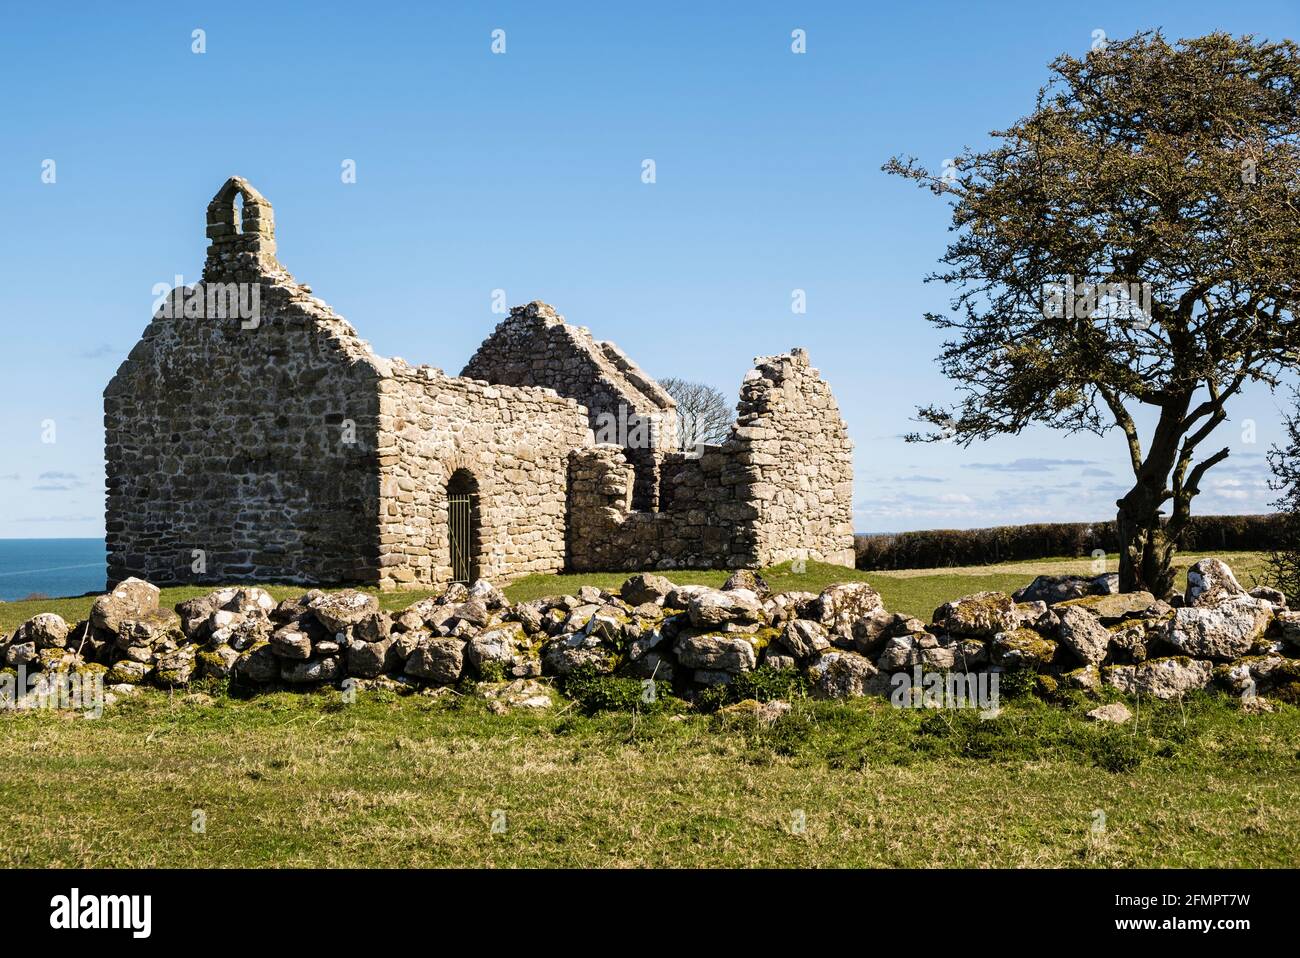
{"x":1146,"y":546}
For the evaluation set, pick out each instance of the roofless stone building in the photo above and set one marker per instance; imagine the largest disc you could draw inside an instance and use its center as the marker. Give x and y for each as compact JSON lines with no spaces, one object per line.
{"x":251,"y":435}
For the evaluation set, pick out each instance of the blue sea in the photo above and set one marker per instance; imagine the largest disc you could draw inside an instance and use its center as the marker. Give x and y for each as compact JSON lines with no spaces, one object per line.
{"x":51,"y":567}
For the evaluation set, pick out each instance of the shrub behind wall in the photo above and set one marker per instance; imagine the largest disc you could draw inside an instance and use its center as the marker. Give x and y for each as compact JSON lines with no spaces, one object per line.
{"x":1042,"y":540}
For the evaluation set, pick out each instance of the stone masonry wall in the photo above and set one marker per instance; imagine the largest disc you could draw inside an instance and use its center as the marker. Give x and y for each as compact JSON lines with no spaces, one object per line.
{"x":228,"y":435}
{"x":514,"y":441}
{"x":536,"y":347}
{"x":703,"y":518}
{"x":801,"y":462}
{"x":779,"y":488}
{"x":278,"y":447}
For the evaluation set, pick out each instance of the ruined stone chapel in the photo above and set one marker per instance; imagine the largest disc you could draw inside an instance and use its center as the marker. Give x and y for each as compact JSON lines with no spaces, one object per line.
{"x":275,"y":446}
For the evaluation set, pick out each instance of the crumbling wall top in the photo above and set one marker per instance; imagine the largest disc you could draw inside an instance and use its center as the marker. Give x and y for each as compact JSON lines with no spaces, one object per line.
{"x":535,"y":346}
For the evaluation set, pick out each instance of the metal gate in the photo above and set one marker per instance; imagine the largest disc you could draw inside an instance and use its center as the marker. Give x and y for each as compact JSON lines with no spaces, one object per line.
{"x":459,"y":525}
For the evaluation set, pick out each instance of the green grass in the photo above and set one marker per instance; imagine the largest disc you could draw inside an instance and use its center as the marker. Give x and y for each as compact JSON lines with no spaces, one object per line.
{"x":303,"y":780}
{"x":916,"y":592}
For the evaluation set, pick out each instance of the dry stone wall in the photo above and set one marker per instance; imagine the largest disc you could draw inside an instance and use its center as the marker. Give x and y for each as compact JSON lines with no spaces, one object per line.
{"x":689,"y":641}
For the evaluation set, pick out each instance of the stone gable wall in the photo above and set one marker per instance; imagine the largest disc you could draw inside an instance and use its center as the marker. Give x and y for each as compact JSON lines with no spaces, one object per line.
{"x":231,"y":441}
{"x":536,"y":347}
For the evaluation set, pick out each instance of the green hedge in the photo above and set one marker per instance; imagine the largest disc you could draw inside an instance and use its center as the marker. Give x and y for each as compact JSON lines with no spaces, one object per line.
{"x":1043,"y":540}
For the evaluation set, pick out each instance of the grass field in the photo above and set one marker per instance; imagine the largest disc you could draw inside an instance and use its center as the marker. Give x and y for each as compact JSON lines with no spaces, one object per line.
{"x":304,"y":779}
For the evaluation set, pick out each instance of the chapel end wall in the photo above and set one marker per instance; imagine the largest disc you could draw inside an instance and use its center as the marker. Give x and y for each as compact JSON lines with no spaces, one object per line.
{"x":241,"y":446}
{"x":255,"y":447}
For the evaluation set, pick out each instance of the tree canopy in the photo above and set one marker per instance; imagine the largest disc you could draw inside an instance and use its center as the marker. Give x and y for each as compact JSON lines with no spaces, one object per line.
{"x":1134,"y":241}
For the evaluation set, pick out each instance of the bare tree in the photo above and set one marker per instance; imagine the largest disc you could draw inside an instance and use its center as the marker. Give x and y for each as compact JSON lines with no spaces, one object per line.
{"x":703,"y":413}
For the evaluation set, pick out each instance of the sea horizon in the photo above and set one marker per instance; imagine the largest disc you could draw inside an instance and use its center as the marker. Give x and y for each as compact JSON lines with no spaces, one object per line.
{"x":52,"y":567}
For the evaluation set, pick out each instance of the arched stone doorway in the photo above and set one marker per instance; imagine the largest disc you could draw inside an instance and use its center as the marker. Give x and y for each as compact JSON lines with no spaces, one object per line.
{"x":463,"y":528}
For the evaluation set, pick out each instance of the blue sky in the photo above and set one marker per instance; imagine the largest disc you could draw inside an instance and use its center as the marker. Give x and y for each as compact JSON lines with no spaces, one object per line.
{"x":522,"y":172}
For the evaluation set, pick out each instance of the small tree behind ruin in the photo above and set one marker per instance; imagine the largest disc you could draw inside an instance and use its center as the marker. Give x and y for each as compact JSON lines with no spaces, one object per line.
{"x":1132,"y":243}
{"x":704,"y":415}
